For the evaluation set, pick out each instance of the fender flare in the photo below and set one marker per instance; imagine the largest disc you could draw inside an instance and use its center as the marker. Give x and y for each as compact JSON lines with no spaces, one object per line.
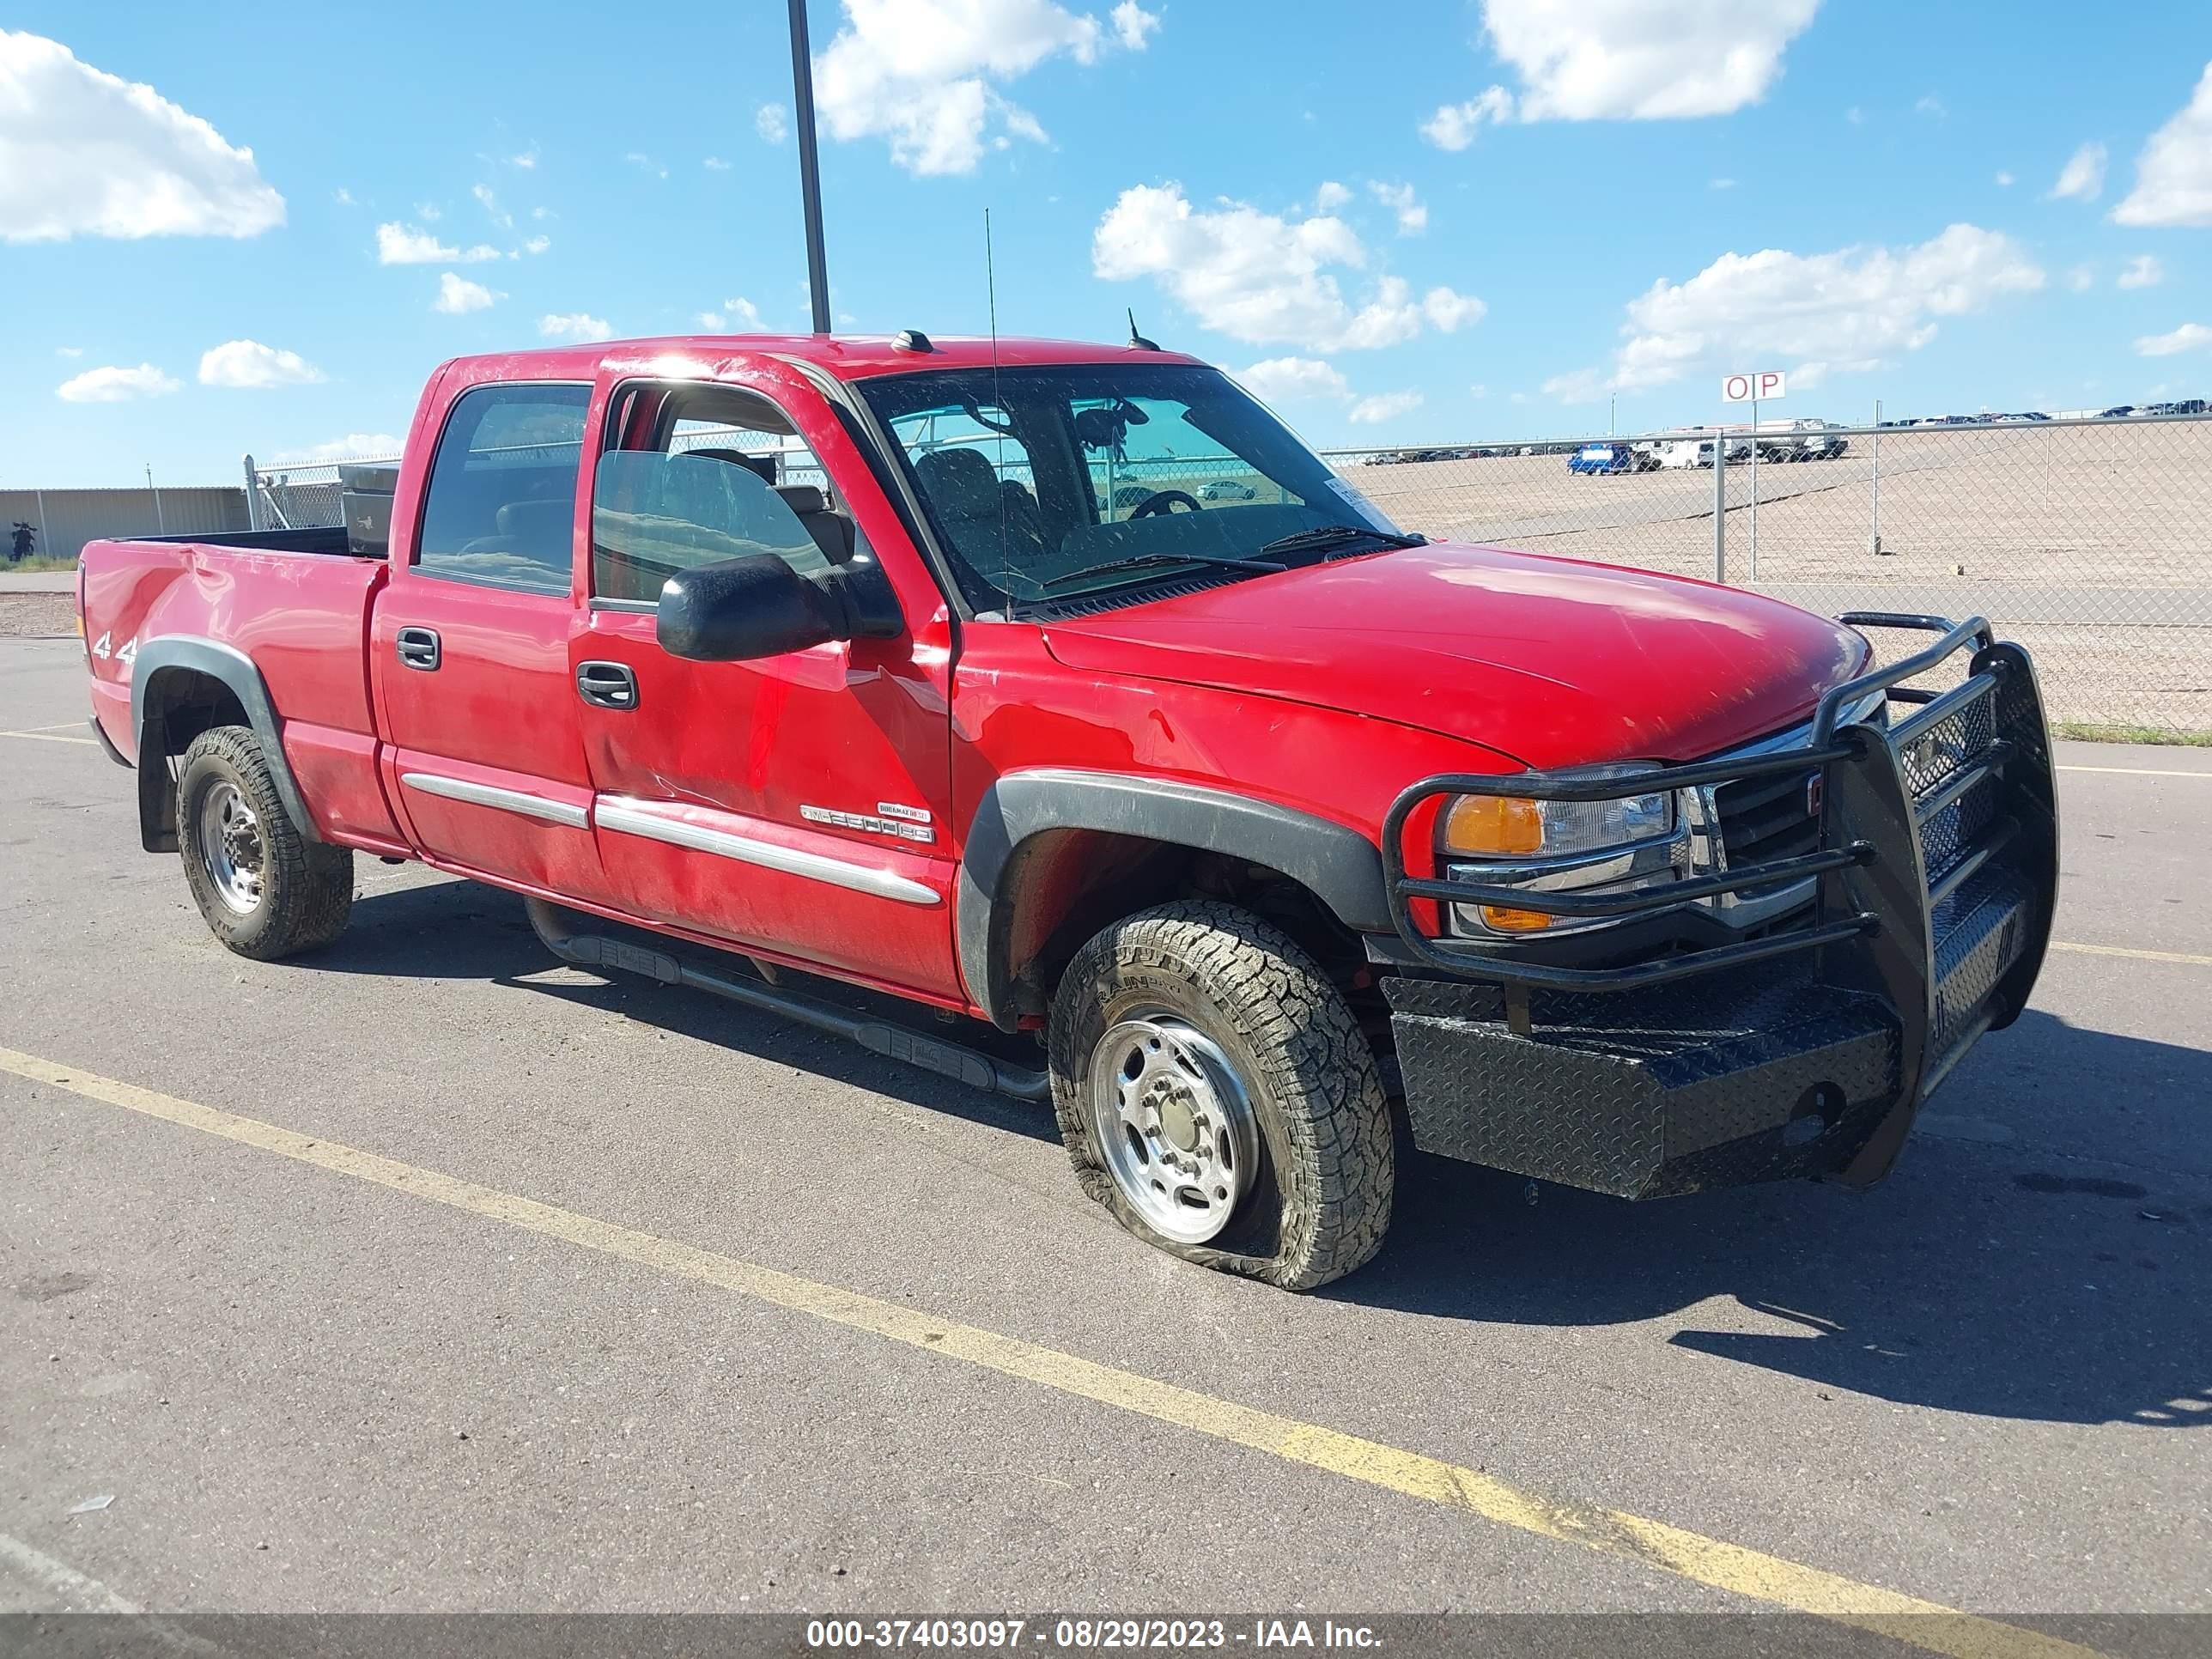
{"x":233,"y":670}
{"x":1340,"y":866}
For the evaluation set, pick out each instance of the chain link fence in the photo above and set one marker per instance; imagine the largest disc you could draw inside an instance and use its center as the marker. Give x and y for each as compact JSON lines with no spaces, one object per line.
{"x":2088,"y":540}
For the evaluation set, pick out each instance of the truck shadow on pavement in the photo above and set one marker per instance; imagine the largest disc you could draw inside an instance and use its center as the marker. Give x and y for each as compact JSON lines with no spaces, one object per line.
{"x":2040,"y":1254}
{"x":454,"y":929}
{"x":2046,"y":1262}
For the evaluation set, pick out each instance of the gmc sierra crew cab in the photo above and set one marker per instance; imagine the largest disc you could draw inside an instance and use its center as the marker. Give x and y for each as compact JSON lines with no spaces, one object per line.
{"x":1258,"y":835}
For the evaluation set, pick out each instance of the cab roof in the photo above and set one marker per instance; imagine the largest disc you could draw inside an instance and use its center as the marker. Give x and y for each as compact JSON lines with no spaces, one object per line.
{"x":847,"y":356}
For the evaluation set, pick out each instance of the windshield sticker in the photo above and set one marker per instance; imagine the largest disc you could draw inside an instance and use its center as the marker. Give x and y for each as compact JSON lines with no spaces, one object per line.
{"x":1352,"y":494}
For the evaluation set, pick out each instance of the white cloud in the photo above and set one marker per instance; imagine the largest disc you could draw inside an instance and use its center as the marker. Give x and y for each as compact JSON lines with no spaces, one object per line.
{"x":353,"y":445}
{"x":2173,"y":175}
{"x":115,"y":386}
{"x":925,"y":74}
{"x":644,"y":163}
{"x":1847,"y":309}
{"x":404,"y":244}
{"x":1720,"y":184}
{"x":1132,"y":23}
{"x":1331,"y":196}
{"x":1478,"y":392}
{"x":429,"y":212}
{"x":1451,"y":311}
{"x":2082,"y":278}
{"x":490,"y":202}
{"x":713,"y":321}
{"x":1583,"y":385}
{"x":2004,"y":181}
{"x":250,"y":365}
{"x":2082,"y":177}
{"x":574,"y":325}
{"x":2142,"y":271}
{"x":744,"y":313}
{"x":1855,"y":116}
{"x":537,"y":245}
{"x":457,"y":295}
{"x":343,"y":196}
{"x":768,"y":121}
{"x":1453,"y":125}
{"x":1383,"y":406}
{"x":1932,"y":106}
{"x":1258,"y":277}
{"x":1596,"y":60}
{"x":1287,"y":380}
{"x":715,"y":164}
{"x":1412,"y":214}
{"x":84,"y":153}
{"x":68,"y":351}
{"x":2189,"y":336}
{"x":526,"y":160}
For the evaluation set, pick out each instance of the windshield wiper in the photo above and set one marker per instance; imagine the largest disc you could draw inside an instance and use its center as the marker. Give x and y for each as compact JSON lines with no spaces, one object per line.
{"x":1336,"y":535}
{"x":1137,"y":561}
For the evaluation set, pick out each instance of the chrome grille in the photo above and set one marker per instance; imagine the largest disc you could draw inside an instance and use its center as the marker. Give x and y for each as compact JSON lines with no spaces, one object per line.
{"x":1765,"y":818}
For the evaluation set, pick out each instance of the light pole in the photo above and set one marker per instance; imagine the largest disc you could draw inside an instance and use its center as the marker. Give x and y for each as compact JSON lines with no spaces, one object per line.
{"x":810,"y":174}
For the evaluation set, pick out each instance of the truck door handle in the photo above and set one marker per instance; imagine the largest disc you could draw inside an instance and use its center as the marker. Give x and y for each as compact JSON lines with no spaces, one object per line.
{"x":417,"y":647}
{"x":607,"y":684}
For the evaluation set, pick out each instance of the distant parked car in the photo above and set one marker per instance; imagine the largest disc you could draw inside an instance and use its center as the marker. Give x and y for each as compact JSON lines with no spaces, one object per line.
{"x":1606,"y":458}
{"x":1227,"y":489}
{"x":2118,"y":412}
{"x":2189,"y":406}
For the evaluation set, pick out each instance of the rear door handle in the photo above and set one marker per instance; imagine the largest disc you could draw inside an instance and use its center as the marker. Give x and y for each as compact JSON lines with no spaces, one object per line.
{"x":607,"y":684}
{"x":417,"y":647}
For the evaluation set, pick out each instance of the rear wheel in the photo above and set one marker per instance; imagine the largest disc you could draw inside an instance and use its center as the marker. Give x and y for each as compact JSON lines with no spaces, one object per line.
{"x":264,"y":889}
{"x":1216,"y":1094}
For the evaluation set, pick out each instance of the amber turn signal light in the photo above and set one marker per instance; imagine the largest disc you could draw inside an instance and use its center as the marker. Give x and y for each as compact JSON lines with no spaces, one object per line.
{"x":1490,"y":824}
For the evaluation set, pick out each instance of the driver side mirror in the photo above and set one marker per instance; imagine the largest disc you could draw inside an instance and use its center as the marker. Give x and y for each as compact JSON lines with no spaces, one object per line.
{"x":739,"y":609}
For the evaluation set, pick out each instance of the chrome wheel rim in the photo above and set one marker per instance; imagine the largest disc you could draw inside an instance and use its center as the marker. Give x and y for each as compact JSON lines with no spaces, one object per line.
{"x":232,"y":849}
{"x":1173,"y":1122}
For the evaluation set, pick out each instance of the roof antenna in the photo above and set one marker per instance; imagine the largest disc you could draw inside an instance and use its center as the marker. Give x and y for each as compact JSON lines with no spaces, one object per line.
{"x":990,"y":292}
{"x":1137,"y":342}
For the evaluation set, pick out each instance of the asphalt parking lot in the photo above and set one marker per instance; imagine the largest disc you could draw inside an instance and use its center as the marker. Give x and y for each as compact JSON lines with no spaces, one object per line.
{"x":433,"y":1275}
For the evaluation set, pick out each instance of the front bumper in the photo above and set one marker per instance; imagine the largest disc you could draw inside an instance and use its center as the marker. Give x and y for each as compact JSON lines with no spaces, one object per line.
{"x":1807,"y":1051}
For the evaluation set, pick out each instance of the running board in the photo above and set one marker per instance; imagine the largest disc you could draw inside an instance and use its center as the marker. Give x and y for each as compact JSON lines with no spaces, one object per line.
{"x":968,"y":1066}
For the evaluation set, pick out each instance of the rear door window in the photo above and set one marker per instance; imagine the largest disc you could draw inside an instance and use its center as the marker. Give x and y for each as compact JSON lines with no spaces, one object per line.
{"x":501,"y":508}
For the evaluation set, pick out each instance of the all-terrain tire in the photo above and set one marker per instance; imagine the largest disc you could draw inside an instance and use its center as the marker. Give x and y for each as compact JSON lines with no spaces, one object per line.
{"x":1320,"y":1199}
{"x":306,"y":886}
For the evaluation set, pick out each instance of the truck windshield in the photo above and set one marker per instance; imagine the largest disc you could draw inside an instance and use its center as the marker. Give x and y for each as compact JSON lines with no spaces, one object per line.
{"x":1034,"y":477}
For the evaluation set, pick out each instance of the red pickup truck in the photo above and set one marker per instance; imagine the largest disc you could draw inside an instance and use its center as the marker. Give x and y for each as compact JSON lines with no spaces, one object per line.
{"x":1259,"y":837}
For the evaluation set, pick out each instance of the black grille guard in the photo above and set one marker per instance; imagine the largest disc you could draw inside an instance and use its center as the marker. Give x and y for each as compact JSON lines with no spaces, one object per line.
{"x":1954,"y":795}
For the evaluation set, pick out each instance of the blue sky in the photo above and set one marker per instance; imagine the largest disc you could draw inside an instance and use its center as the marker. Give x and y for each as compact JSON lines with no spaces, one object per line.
{"x":1424,"y":221}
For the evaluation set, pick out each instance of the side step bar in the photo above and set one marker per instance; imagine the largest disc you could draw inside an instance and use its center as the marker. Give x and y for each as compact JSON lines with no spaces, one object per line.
{"x":968,"y":1066}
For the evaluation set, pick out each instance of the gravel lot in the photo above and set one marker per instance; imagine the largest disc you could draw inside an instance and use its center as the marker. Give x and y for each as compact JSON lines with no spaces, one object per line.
{"x":2093,"y":544}
{"x":1987,"y":1383}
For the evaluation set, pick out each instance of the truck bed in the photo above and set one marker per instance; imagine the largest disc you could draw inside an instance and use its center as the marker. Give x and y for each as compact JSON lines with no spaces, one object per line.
{"x":305,"y":538}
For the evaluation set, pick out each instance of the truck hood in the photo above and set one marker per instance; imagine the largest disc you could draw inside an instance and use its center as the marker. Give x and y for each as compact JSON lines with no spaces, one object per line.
{"x":1548,"y":661}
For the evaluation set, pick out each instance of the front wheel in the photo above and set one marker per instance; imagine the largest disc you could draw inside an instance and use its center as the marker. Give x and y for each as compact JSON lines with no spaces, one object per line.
{"x":265,"y":889}
{"x":1217,"y":1094}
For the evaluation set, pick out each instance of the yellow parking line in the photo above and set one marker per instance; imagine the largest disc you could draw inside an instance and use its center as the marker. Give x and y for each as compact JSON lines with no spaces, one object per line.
{"x":49,"y":736}
{"x":2181,"y":957}
{"x":2135,"y":771}
{"x":1746,"y":1572}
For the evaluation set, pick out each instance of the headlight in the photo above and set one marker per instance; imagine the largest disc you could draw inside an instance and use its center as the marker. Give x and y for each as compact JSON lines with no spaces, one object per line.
{"x":1630,"y":842}
{"x":1492,"y":826}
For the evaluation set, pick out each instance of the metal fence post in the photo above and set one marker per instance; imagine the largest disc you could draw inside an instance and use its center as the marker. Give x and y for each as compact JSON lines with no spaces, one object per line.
{"x":1754,"y":489}
{"x":253,"y":497}
{"x":45,"y":542}
{"x":1874,"y":524}
{"x":1720,"y":506}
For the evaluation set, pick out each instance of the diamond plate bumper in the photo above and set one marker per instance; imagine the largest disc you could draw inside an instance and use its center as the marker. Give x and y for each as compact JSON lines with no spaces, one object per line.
{"x":1806,"y":1052}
